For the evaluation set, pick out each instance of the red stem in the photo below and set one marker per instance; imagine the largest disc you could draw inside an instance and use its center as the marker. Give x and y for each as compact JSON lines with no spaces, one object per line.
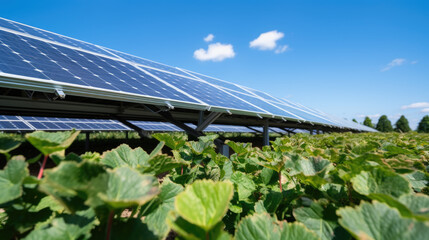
{"x":109,"y":224}
{"x":181,"y":171}
{"x":42,"y":167}
{"x":280,"y":181}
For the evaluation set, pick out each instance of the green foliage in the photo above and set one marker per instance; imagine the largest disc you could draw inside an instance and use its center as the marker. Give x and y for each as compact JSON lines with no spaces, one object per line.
{"x":204,"y":203}
{"x":402,"y":125}
{"x":50,"y":142}
{"x":423,"y":126}
{"x":8,"y":143}
{"x":379,"y":221}
{"x":367,"y":122}
{"x":11,"y":179}
{"x":300,"y":187}
{"x":384,"y":124}
{"x":262,"y":226}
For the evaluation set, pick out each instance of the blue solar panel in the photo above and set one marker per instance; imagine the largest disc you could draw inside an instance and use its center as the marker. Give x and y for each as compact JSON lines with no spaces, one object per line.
{"x":207,"y":93}
{"x":8,"y":123}
{"x":13,"y":125}
{"x":34,"y":58}
{"x":147,"y":63}
{"x":51,"y":36}
{"x":215,"y":81}
{"x":266,"y":106}
{"x":156,"y":126}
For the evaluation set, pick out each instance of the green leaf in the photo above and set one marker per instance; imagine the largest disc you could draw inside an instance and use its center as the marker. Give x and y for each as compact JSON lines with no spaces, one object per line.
{"x":34,"y":159}
{"x":125,"y":187}
{"x":8,"y":143}
{"x":51,"y":203}
{"x":418,"y":180}
{"x":91,"y":157}
{"x":125,"y":156}
{"x":272,"y":160}
{"x":68,"y":183}
{"x":66,"y":226}
{"x":50,"y":142}
{"x":208,"y":138}
{"x":244,"y":185}
{"x":272,"y":201}
{"x":156,"y":220}
{"x":379,"y":221}
{"x":11,"y":179}
{"x":381,"y":181}
{"x":160,"y":164}
{"x":190,"y":231}
{"x":204,"y":203}
{"x":417,"y":203}
{"x":239,"y":148}
{"x":262,"y":226}
{"x":308,"y":167}
{"x":173,"y":141}
{"x":322,"y":221}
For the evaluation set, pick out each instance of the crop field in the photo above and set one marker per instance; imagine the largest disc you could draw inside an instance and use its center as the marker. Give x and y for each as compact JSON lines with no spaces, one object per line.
{"x":327,"y":186}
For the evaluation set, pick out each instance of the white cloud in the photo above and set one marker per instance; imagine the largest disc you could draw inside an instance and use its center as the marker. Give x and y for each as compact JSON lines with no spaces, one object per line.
{"x":414,"y":62}
{"x":394,"y":63}
{"x":209,"y":38}
{"x":425,"y":110}
{"x":267,"y":41}
{"x":281,"y":49}
{"x":216,"y":52}
{"x":416,"y":105}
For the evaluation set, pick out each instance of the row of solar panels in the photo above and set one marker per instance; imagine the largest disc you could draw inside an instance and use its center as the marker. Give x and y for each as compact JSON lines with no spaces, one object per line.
{"x":35,"y":59}
{"x":24,"y":123}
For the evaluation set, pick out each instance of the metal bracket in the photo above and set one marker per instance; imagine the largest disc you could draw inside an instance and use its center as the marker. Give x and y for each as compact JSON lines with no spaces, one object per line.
{"x":209,"y":120}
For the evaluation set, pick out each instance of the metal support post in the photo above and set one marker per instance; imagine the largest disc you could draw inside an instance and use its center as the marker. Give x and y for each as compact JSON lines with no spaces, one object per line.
{"x":266,"y":134}
{"x":87,"y":142}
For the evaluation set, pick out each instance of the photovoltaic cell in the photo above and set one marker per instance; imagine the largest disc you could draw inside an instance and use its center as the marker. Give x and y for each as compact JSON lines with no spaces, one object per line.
{"x":51,"y":36}
{"x":147,"y":63}
{"x":25,"y":123}
{"x":34,"y":58}
{"x":205,"y":92}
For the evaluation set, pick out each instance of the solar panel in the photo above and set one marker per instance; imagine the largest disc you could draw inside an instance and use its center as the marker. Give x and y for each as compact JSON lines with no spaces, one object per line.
{"x":156,"y":126}
{"x":40,"y":60}
{"x":18,"y":123}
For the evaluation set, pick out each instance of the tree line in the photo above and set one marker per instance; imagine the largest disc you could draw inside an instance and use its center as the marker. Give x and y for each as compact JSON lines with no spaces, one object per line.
{"x":402,"y":125}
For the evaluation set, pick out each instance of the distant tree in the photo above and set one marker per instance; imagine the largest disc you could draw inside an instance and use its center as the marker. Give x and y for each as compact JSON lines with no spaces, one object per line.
{"x":402,"y":125}
{"x":367,"y":122}
{"x":354,"y":120}
{"x":384,"y":124}
{"x":424,"y":125}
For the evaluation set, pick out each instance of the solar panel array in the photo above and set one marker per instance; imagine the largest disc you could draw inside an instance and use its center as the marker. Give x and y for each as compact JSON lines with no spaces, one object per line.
{"x":18,"y":123}
{"x":36,"y":59}
{"x":24,"y":123}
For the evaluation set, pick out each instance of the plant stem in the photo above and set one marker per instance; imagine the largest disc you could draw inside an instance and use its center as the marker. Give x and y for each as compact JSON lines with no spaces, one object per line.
{"x":207,"y":236}
{"x":42,"y":167}
{"x":280,"y":181}
{"x":109,"y":224}
{"x":181,"y":171}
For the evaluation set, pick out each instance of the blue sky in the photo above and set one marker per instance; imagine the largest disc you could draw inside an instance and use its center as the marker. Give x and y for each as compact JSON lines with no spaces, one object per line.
{"x":346,"y":58}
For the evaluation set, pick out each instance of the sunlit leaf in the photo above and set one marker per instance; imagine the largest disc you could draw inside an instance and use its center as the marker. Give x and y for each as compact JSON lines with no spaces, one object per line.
{"x":50,"y":142}
{"x":204,"y":202}
{"x":379,"y":221}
